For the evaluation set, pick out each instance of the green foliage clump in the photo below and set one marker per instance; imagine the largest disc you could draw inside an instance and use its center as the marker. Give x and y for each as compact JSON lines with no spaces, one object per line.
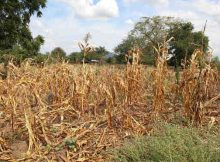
{"x":98,"y":53}
{"x":111,"y":60}
{"x":16,"y":41}
{"x":75,"y":57}
{"x":14,"y":19}
{"x":40,"y":59}
{"x":58,"y":53}
{"x":71,"y":143}
{"x":172,"y":143}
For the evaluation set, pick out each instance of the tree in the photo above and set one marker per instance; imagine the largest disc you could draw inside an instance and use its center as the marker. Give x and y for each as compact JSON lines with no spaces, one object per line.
{"x":98,"y":53}
{"x":185,"y":42}
{"x":75,"y":57}
{"x":131,"y":42}
{"x":146,"y":34}
{"x":111,"y":60}
{"x":122,"y":49}
{"x":101,"y":50}
{"x":58,"y":53}
{"x":33,"y":47}
{"x":151,"y":31}
{"x":14,"y":20}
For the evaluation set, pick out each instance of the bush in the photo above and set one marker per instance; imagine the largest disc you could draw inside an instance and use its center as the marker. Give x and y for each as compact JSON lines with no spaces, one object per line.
{"x":172,"y":143}
{"x":40,"y":59}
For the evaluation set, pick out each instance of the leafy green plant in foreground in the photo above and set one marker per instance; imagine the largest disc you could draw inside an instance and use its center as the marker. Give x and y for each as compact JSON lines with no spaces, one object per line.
{"x":172,"y":143}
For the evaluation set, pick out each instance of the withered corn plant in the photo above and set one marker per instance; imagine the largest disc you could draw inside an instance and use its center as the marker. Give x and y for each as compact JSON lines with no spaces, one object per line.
{"x":134,"y":77}
{"x":199,"y":83}
{"x":85,"y":48}
{"x":159,"y":77}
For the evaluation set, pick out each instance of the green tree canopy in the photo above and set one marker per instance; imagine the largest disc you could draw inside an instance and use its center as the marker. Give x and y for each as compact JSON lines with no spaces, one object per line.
{"x":58,"y":53}
{"x":75,"y":57}
{"x":185,"y":41}
{"x":151,"y":31}
{"x":14,"y":19}
{"x":18,"y":53}
{"x":98,"y":53}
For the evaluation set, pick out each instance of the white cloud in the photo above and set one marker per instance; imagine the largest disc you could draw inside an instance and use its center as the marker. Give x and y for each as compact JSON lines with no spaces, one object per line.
{"x":87,"y":9}
{"x":56,"y":32}
{"x":129,"y":22}
{"x":67,"y":32}
{"x":151,"y":2}
{"x":208,"y":7}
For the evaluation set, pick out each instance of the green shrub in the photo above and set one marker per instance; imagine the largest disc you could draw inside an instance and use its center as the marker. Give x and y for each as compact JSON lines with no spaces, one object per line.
{"x":40,"y":58}
{"x":172,"y":143}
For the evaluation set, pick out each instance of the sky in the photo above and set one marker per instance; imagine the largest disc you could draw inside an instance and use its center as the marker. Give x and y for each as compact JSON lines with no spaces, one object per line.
{"x":65,"y":22}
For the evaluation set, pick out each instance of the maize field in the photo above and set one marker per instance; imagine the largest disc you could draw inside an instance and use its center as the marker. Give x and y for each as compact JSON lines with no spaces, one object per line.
{"x":64,"y":112}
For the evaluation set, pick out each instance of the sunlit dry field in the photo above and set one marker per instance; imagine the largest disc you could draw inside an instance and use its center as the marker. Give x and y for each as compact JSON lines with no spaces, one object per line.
{"x":64,"y":112}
